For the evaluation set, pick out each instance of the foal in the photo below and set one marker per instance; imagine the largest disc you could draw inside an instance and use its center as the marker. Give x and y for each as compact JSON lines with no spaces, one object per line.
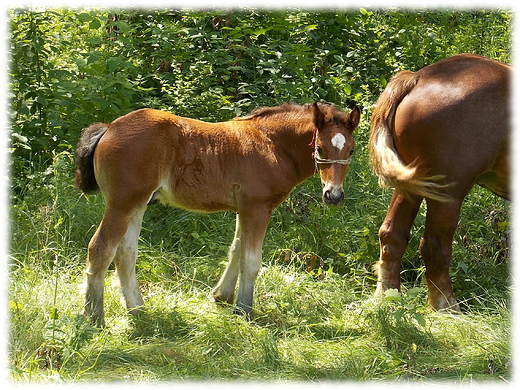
{"x":248,"y":165}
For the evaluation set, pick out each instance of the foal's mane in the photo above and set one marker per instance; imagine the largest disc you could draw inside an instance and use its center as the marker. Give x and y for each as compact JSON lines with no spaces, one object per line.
{"x":288,"y":111}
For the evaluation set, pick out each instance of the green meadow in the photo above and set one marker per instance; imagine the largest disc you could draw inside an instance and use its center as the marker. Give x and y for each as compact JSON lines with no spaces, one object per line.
{"x":316,"y":319}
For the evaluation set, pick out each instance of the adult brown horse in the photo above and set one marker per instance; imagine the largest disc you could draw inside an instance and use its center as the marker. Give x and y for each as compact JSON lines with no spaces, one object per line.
{"x":435,"y":133}
{"x":248,"y":165}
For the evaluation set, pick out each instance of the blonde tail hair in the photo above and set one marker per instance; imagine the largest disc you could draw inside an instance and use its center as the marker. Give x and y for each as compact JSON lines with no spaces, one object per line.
{"x":384,"y":158}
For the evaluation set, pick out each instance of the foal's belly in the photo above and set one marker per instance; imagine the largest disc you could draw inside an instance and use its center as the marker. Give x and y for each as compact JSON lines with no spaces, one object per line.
{"x":197,"y":199}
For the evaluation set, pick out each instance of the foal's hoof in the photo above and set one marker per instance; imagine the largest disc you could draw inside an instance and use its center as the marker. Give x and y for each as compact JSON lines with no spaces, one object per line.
{"x":96,"y":321}
{"x":221,"y":299}
{"x":137,"y":311}
{"x":245,"y":312}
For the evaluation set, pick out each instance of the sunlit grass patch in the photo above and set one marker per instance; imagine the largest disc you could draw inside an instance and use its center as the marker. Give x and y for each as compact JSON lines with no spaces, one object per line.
{"x":315,"y":317}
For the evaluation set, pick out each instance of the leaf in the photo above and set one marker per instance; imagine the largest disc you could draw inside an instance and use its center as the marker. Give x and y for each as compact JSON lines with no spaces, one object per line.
{"x":113,"y":63}
{"x":94,"y":41}
{"x":122,"y":25}
{"x":84,"y":17}
{"x":53,"y":312}
{"x":502,"y":226}
{"x":262,"y":31}
{"x":94,"y":24}
{"x":420,"y":319}
{"x":20,"y":137}
{"x":311,"y":27}
{"x":41,"y":100}
{"x":413,"y":292}
{"x":398,"y":315}
{"x":392,"y":295}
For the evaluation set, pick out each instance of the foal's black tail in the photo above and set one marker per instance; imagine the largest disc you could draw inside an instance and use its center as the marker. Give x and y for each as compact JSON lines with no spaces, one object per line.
{"x":85,"y":178}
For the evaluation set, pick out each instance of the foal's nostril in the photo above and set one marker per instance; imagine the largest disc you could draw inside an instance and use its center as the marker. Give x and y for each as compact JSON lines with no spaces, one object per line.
{"x":341,"y":197}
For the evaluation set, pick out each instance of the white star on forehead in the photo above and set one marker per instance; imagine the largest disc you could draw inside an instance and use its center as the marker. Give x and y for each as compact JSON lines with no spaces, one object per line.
{"x":338,"y":141}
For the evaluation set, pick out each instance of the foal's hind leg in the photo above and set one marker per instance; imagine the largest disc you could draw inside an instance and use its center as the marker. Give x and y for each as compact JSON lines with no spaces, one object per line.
{"x":394,"y":234}
{"x":225,"y":289}
{"x":125,"y":260}
{"x":436,"y":250}
{"x":101,"y":251}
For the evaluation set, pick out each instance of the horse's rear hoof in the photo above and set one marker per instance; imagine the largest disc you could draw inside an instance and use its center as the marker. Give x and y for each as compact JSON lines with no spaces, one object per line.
{"x":452,"y":309}
{"x":444,"y":304}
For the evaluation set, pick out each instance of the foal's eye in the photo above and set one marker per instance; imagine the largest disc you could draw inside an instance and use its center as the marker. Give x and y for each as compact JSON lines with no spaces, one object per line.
{"x":352,"y":152}
{"x":319,"y":150}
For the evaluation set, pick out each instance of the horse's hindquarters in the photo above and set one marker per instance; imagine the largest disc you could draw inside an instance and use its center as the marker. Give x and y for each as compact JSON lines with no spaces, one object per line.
{"x":453,"y":126}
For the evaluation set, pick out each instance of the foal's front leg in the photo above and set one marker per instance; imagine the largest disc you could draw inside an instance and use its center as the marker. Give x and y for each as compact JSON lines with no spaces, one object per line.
{"x":225,"y":289}
{"x":253,"y":225}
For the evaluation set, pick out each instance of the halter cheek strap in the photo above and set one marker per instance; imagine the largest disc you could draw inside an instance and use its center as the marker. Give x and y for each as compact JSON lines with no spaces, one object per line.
{"x":320,"y":160}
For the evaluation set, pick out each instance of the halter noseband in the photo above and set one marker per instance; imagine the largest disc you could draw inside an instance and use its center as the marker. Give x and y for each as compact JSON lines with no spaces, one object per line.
{"x":319,"y":160}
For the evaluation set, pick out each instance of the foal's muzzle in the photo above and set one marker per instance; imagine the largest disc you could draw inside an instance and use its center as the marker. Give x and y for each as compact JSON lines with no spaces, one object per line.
{"x":333,"y":195}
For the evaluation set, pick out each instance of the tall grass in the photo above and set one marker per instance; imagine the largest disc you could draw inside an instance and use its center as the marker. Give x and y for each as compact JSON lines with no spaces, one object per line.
{"x":315,"y":316}
{"x":307,"y":330}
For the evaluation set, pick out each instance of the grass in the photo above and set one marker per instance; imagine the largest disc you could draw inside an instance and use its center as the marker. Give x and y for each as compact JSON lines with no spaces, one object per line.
{"x":318,"y":324}
{"x":304,"y":330}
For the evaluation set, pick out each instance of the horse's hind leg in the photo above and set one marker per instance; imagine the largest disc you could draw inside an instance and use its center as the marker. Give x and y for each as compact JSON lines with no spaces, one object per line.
{"x":394,"y":234}
{"x":436,"y":250}
{"x":125,"y":260}
{"x":101,"y":251}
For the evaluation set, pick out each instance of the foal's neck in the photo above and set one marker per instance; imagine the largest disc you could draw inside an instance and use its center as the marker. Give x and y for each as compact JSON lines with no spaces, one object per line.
{"x":295,"y":138}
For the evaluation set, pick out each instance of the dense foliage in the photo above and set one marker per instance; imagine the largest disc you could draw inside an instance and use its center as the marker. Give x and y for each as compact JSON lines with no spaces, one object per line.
{"x":70,"y":68}
{"x":315,"y":318}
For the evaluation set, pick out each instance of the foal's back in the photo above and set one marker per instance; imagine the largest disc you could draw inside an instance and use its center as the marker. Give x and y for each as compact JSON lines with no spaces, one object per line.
{"x":187,"y":163}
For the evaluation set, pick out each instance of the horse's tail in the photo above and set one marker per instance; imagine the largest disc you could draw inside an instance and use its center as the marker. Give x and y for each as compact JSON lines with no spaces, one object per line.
{"x":384,"y":157}
{"x":85,"y":179}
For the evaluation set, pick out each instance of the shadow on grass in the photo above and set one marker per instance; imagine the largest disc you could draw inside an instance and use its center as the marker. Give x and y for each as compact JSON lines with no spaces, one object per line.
{"x":169,"y":325}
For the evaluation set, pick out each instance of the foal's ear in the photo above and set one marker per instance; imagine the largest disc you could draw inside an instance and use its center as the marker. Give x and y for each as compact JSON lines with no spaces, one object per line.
{"x":353,"y":118}
{"x":318,"y":117}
